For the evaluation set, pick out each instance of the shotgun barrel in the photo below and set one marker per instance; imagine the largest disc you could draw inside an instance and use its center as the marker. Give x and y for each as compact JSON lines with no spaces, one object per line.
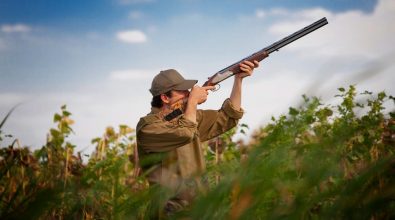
{"x":263,"y":53}
{"x":293,"y":37}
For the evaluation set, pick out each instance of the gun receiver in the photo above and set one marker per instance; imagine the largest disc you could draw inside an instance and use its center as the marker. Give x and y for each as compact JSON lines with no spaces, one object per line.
{"x":262,"y":54}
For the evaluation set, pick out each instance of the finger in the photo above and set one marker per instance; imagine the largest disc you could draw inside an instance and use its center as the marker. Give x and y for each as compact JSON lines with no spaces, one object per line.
{"x":246,"y":70}
{"x":245,"y":66}
{"x":256,"y":63}
{"x":249,"y":63}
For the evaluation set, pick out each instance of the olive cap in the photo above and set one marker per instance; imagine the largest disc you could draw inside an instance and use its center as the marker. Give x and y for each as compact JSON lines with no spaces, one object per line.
{"x":168,"y":80}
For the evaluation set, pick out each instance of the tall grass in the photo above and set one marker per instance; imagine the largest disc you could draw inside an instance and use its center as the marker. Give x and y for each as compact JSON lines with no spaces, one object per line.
{"x":318,"y":161}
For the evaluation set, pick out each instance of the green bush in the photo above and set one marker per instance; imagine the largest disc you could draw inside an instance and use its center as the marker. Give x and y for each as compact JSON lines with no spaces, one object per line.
{"x":317,"y":162}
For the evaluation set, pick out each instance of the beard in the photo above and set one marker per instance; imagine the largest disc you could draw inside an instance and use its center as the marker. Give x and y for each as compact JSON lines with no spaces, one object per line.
{"x":180,"y":104}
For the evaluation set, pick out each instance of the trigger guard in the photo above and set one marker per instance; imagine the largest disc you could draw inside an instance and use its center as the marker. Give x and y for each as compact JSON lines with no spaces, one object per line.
{"x":217,"y":87}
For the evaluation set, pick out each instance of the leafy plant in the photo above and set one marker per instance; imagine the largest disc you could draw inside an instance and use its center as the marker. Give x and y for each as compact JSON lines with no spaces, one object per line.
{"x":318,"y":161}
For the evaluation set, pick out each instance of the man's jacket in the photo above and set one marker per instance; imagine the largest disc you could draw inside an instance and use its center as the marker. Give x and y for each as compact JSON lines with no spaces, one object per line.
{"x":172,"y":150}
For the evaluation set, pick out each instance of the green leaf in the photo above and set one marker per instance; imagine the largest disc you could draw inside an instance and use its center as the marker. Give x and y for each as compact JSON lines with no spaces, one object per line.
{"x":57,"y":117}
{"x":66,"y":113}
{"x":381,"y":95}
{"x":293,"y":111}
{"x":341,"y":89}
{"x":55,"y":133}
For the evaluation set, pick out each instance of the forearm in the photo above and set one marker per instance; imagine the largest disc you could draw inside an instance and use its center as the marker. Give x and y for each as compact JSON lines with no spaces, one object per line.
{"x":235,"y":95}
{"x":190,"y":111}
{"x":247,"y":68}
{"x":160,"y":136}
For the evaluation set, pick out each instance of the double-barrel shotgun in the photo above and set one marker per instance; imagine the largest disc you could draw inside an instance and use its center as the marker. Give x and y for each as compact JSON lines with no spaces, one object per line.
{"x":263,"y":53}
{"x":258,"y":56}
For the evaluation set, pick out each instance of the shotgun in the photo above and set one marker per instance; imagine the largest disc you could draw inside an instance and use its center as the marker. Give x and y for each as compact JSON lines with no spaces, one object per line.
{"x":258,"y":56}
{"x":262,"y":54}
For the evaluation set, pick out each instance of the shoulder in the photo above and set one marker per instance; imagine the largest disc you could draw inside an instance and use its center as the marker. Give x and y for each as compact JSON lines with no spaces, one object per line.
{"x":147,"y":120}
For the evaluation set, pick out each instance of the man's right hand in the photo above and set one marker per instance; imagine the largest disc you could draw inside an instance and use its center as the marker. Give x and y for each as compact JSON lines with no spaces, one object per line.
{"x":199,"y":94}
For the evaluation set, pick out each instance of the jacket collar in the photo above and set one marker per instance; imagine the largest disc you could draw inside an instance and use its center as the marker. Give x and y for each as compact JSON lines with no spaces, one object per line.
{"x":154,"y":110}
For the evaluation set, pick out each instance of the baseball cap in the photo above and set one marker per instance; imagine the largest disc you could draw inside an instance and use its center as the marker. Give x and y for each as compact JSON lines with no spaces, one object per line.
{"x":168,"y":80}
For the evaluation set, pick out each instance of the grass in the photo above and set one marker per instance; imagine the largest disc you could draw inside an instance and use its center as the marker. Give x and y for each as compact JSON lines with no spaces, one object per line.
{"x":316,"y":162}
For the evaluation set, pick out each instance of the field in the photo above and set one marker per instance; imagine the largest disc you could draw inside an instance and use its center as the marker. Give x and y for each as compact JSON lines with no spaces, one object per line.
{"x":317,"y":162}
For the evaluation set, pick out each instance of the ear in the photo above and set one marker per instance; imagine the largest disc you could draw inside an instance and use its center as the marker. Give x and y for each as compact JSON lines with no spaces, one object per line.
{"x":164,"y":98}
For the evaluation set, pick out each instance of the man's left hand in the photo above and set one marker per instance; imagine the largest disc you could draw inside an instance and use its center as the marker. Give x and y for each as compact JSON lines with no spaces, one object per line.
{"x":247,"y":68}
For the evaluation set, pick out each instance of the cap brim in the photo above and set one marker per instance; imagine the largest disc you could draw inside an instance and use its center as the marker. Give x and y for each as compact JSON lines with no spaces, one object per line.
{"x":187,"y":84}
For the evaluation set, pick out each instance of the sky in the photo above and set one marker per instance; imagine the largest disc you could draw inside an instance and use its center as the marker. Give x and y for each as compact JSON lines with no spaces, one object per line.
{"x":99,"y":57}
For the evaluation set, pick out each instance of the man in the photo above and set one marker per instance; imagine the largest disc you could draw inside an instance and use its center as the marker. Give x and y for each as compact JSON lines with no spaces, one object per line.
{"x":175,"y":140}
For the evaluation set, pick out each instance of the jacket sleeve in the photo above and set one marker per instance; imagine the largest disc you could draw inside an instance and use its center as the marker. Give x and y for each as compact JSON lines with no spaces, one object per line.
{"x":162,"y":136}
{"x":212,"y":123}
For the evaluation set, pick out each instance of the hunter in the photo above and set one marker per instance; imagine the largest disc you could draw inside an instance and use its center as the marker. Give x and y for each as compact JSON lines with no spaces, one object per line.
{"x":177,"y":139}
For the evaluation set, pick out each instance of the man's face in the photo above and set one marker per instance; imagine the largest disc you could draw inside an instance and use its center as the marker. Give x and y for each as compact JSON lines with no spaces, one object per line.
{"x":178,"y":95}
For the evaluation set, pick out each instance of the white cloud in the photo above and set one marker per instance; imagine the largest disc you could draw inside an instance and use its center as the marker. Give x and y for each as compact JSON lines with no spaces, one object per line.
{"x":273,"y":12}
{"x":132,"y":36}
{"x":286,"y":27}
{"x":352,"y":33}
{"x":132,"y":74}
{"x":285,"y":14}
{"x":16,"y":28}
{"x":259,"y":13}
{"x":313,"y":13}
{"x":279,"y":12}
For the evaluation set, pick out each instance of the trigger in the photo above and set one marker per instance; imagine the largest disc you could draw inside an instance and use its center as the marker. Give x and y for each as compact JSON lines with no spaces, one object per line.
{"x":217,"y":87}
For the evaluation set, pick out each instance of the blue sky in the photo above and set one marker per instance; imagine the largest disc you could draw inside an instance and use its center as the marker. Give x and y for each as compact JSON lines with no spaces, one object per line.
{"x":99,"y":57}
{"x":109,"y":12}
{"x":74,"y":22}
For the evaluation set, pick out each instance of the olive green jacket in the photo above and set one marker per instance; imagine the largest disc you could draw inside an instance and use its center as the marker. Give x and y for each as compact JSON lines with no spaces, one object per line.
{"x":178,"y":142}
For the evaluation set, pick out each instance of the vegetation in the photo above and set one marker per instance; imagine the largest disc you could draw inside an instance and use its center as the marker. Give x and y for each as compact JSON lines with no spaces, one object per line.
{"x":318,"y":161}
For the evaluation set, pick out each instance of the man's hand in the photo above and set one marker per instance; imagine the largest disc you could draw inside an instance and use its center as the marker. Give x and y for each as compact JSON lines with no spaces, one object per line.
{"x":247,"y":67}
{"x":199,"y":94}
